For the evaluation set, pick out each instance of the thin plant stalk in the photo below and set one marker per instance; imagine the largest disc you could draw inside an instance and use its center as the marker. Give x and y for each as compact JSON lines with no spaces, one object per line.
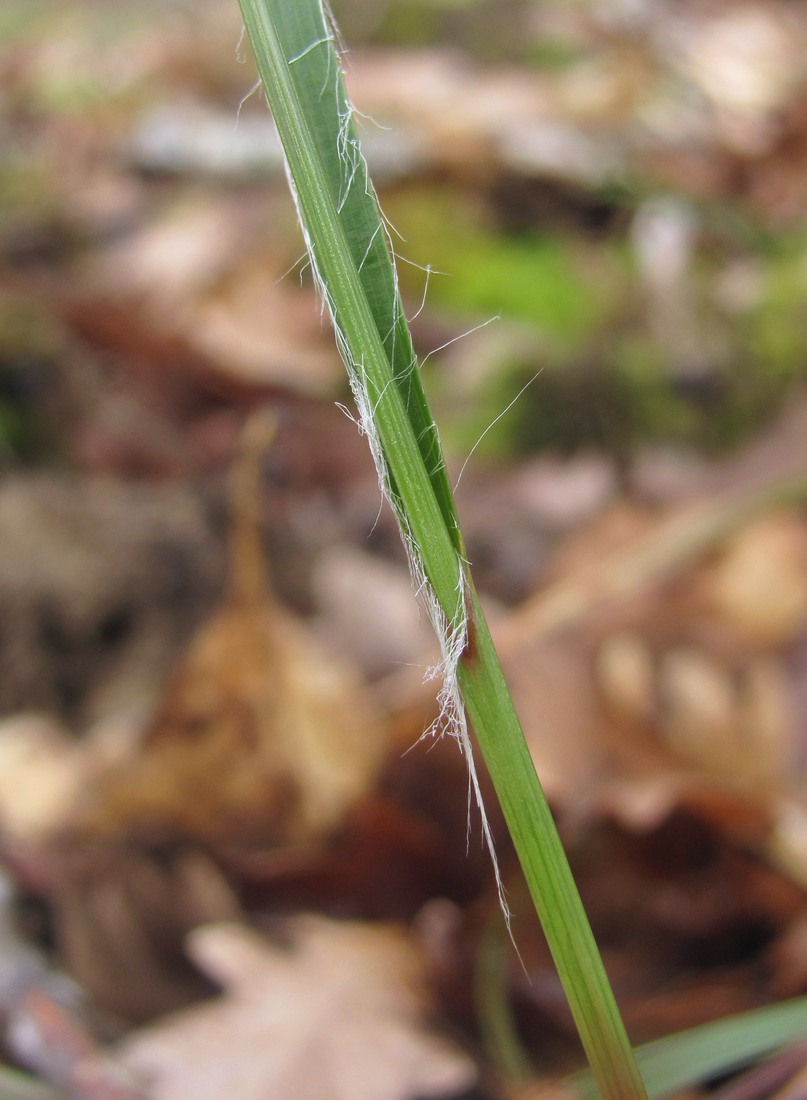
{"x":294,"y":43}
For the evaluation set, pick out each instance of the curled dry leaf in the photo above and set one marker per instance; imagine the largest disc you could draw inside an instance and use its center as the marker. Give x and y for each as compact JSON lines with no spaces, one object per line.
{"x":261,"y":734}
{"x":339,"y":1015}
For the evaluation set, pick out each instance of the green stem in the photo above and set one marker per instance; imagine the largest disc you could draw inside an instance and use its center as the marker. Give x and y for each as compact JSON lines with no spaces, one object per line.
{"x":546,"y":870}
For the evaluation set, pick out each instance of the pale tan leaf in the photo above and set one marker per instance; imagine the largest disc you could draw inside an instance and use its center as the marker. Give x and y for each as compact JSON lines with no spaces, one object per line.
{"x":340,"y":1015}
{"x":760,"y":586}
{"x":41,"y":774}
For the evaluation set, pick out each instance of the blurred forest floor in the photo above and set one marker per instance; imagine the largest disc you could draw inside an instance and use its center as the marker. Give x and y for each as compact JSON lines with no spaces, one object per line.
{"x":223,"y":869}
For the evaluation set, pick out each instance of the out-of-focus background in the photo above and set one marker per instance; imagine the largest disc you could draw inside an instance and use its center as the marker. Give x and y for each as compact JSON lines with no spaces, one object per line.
{"x":211,"y":663}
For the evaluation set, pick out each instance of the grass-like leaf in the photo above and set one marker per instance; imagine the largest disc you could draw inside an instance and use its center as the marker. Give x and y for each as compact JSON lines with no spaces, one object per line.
{"x":294,"y":45}
{"x":695,"y":1055}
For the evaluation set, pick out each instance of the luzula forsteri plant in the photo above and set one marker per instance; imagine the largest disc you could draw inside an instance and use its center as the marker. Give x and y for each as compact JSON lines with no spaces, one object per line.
{"x":295,"y":46}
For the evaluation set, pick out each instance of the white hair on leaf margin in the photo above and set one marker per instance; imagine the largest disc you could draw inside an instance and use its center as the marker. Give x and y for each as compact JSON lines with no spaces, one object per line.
{"x":452,"y":634}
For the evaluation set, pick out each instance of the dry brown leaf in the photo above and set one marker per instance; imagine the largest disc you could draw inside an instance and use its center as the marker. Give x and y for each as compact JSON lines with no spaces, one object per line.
{"x":367,"y":605}
{"x":760,"y":586}
{"x":120,"y":919}
{"x":189,"y":289}
{"x":552,"y":689}
{"x":261,"y":734}
{"x":338,"y":1016}
{"x":659,"y":669}
{"x":263,"y":331}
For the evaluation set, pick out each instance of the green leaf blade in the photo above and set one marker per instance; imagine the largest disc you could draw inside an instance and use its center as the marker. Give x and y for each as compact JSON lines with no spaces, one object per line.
{"x":306,"y":40}
{"x":293,"y":43}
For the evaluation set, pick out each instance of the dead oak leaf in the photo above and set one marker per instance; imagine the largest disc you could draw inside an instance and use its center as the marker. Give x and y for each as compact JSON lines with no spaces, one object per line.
{"x":338,"y":1015}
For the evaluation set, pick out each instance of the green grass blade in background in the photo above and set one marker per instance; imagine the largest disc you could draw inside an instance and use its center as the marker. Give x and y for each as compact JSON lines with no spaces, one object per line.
{"x":293,"y":42}
{"x":693,"y":1056}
